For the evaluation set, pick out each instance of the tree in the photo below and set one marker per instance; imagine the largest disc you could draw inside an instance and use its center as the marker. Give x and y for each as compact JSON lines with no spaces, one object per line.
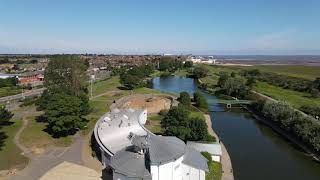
{"x":66,"y":74}
{"x":5,"y":115}
{"x":166,"y":63}
{"x":185,"y":99}
{"x":235,"y":87}
{"x":200,"y":101}
{"x":131,"y":81}
{"x":251,"y":81}
{"x":200,"y":72}
{"x":188,"y":64}
{"x":198,"y":129}
{"x":223,"y":77}
{"x":175,"y":123}
{"x":63,"y":114}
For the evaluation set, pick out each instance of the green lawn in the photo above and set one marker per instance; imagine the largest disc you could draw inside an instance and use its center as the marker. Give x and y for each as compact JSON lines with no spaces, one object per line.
{"x":307,"y":72}
{"x":34,"y":136}
{"x":295,"y":98}
{"x":182,"y":72}
{"x":111,"y":84}
{"x":8,"y":91}
{"x":215,"y":171}
{"x":10,"y":154}
{"x":153,"y":124}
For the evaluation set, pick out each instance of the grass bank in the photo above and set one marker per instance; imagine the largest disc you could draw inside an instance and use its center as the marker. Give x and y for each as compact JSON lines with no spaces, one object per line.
{"x":294,"y":98}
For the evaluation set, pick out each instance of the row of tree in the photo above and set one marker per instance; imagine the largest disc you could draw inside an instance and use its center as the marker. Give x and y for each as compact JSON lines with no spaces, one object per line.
{"x":65,"y":100}
{"x":135,"y":77}
{"x":287,"y":82}
{"x":292,"y":121}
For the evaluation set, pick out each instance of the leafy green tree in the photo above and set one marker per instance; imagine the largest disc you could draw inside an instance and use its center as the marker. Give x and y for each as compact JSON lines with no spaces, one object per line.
{"x":185,"y":99}
{"x":131,"y":81}
{"x":223,"y":77}
{"x":251,"y":81}
{"x":63,"y":114}
{"x":198,"y":129}
{"x":166,"y":63}
{"x":66,"y":74}
{"x":235,"y":87}
{"x":176,"y":122}
{"x":200,"y":72}
{"x":200,"y":101}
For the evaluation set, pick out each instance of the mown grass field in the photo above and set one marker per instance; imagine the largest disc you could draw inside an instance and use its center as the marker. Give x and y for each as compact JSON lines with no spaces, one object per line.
{"x":34,"y":136}
{"x":306,"y":72}
{"x":295,"y":98}
{"x":10,"y":154}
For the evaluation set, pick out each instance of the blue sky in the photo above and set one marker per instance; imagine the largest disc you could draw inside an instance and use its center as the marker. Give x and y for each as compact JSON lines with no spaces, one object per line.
{"x":160,"y":26}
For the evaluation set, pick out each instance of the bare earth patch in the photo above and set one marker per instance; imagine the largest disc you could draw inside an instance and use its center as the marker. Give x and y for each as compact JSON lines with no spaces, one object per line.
{"x":153,"y":103}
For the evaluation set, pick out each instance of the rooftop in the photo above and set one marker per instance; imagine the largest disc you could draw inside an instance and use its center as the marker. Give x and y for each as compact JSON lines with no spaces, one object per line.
{"x":114,"y":128}
{"x":212,"y":148}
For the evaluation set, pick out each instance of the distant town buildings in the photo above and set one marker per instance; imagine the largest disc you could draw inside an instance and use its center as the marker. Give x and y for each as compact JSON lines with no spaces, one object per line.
{"x":202,"y":60}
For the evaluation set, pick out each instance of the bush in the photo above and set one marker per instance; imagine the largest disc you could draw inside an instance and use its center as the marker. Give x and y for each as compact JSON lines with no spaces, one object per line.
{"x":200,"y":72}
{"x":200,"y":101}
{"x":209,"y":138}
{"x":184,"y":98}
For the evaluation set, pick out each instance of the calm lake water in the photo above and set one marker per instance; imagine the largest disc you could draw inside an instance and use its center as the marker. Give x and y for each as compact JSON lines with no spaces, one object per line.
{"x":256,"y":151}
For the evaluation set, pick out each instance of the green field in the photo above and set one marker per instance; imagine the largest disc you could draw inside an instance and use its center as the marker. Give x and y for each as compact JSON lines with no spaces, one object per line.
{"x":306,"y":72}
{"x":295,"y":98}
{"x":10,"y":154}
{"x":34,"y":136}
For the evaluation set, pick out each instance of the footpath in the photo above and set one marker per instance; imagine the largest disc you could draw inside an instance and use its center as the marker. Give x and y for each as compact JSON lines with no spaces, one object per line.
{"x":227,"y":171}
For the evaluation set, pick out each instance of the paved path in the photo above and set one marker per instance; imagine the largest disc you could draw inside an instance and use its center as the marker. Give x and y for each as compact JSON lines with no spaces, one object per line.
{"x":227,"y":171}
{"x":35,"y":92}
{"x":40,"y":164}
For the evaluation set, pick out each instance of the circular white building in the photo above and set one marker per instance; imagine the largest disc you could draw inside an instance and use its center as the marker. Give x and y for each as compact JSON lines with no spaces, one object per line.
{"x":133,"y":152}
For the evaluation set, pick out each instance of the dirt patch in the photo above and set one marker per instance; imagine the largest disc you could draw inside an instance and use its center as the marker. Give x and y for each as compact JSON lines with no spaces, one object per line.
{"x":153,"y":103}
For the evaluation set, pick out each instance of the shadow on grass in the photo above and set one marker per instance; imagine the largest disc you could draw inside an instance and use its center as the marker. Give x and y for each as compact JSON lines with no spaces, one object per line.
{"x":3,"y":137}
